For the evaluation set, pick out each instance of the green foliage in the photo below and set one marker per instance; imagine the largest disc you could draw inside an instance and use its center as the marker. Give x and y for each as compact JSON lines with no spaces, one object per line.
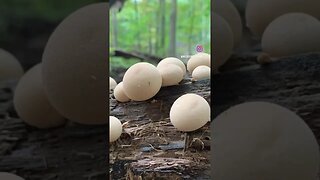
{"x":139,"y":22}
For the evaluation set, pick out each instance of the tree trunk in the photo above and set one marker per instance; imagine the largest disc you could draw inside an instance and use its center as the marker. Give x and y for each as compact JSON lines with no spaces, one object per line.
{"x":163,"y":26}
{"x":137,"y":22}
{"x":115,"y":28}
{"x":150,"y":38}
{"x":173,"y":19}
{"x":191,"y":39}
{"x":157,"y":24}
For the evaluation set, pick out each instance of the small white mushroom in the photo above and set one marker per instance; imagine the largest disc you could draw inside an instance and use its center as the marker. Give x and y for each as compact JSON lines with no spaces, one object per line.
{"x":10,"y":68}
{"x":142,"y":81}
{"x":119,"y":93}
{"x":201,"y":73}
{"x":115,"y":128}
{"x":198,"y":60}
{"x":171,"y":74}
{"x":291,"y":34}
{"x":31,"y":102}
{"x":272,"y":140}
{"x":112,"y":83}
{"x":189,"y":112}
{"x":173,"y":60}
{"x":9,"y":176}
{"x":259,"y":14}
{"x":222,"y":38}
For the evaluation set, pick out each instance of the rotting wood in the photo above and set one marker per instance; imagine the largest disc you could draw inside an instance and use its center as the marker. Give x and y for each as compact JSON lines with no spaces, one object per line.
{"x":293,"y":82}
{"x":153,"y":146}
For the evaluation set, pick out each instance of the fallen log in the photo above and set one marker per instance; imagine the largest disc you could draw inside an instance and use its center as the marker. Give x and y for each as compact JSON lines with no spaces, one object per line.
{"x":151,"y":147}
{"x":137,"y":55}
{"x":293,"y":82}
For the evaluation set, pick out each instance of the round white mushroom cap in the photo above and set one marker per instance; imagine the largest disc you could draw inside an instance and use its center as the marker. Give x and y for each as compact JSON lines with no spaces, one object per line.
{"x":9,"y":176}
{"x":171,"y":74}
{"x":222,"y":38}
{"x":230,"y":13}
{"x":10,"y":68}
{"x":173,"y":60}
{"x":259,"y":14}
{"x":112,"y":83}
{"x":115,"y":128}
{"x":119,"y":93}
{"x":198,"y":60}
{"x":74,"y":65}
{"x":142,"y":81}
{"x":189,"y":112}
{"x":201,"y":73}
{"x":261,"y":140}
{"x":291,"y":34}
{"x":31,"y":102}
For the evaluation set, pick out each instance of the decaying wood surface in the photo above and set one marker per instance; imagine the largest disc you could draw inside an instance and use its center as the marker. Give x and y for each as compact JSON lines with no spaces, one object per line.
{"x":293,"y":82}
{"x":151,"y":147}
{"x":64,"y":153}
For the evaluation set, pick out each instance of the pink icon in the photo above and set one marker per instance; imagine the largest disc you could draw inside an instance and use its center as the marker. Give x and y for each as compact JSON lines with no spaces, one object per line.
{"x":199,"y":48}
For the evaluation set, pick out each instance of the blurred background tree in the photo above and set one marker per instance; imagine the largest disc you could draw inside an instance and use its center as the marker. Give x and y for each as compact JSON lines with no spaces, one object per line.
{"x":159,"y":28}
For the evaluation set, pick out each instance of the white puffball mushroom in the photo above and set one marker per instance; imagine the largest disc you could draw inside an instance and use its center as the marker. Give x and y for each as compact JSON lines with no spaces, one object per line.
{"x":230,"y":13}
{"x":142,"y":81}
{"x":198,"y":60}
{"x":222,"y":41}
{"x":173,"y":60}
{"x":31,"y":102}
{"x":291,"y":34}
{"x":112,"y":83}
{"x":259,"y":14}
{"x":201,"y":73}
{"x":272,"y":140}
{"x":74,"y":66}
{"x":10,"y":68}
{"x":119,"y":93}
{"x":171,"y":74}
{"x":189,"y":112}
{"x":9,"y":176}
{"x":115,"y":128}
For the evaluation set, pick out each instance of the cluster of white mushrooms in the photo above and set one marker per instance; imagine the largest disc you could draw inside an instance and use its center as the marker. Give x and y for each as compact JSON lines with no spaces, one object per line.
{"x":142,"y":81}
{"x":285,"y":28}
{"x":69,"y":83}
